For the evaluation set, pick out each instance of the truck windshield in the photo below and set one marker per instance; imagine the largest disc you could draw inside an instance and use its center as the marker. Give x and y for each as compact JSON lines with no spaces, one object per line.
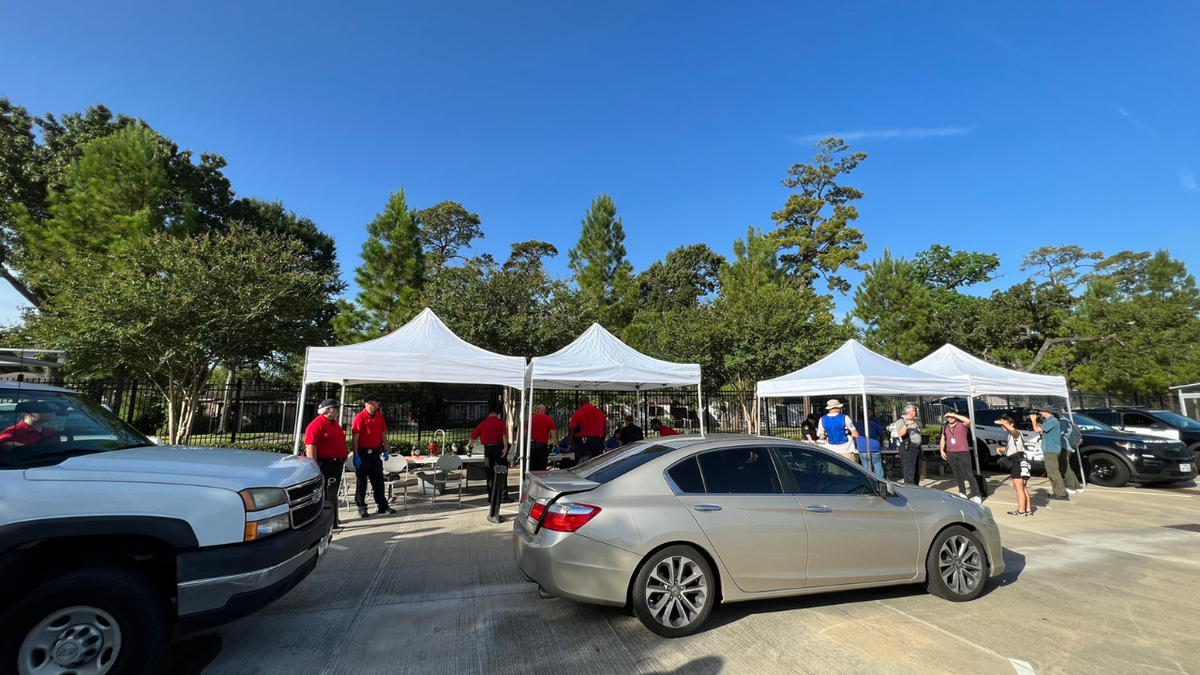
{"x":1176,"y":420}
{"x":41,"y":428}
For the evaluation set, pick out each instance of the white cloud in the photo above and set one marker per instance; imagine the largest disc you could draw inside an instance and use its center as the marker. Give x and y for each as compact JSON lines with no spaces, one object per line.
{"x":1129,"y":116}
{"x":1188,"y":179}
{"x":888,"y":134}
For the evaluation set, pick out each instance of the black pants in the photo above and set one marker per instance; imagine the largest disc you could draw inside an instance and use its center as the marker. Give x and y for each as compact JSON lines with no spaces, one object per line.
{"x":539,"y":456}
{"x":370,"y":468}
{"x":585,"y":450}
{"x":491,"y":453}
{"x":910,"y":462}
{"x":331,"y":469}
{"x":960,"y":464}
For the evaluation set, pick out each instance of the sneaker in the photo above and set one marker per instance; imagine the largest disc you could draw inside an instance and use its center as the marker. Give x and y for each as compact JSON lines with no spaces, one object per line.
{"x":363,"y":514}
{"x":385,"y":510}
{"x":1056,"y":498}
{"x":962,"y":495}
{"x":977,"y":499}
{"x":1071,"y":492}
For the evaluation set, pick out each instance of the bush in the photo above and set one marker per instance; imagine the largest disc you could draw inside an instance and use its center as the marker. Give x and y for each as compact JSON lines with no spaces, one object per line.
{"x":282,"y":448}
{"x":932,"y":433}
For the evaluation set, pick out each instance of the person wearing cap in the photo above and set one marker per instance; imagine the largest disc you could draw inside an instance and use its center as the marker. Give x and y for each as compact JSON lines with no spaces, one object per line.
{"x":955,"y":446}
{"x":493,"y":433}
{"x":808,"y":428}
{"x":837,"y":430}
{"x":368,"y":440}
{"x":630,"y":433}
{"x":590,"y":423}
{"x":1054,"y":446}
{"x":33,"y":428}
{"x":907,"y":430}
{"x":541,"y":429}
{"x":661,"y":429}
{"x":325,"y":442}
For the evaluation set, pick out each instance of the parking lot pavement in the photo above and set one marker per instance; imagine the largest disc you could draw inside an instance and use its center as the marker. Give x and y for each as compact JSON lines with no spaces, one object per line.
{"x":1105,"y":584}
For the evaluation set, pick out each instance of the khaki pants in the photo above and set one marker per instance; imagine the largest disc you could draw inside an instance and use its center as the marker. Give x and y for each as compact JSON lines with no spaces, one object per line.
{"x":1058,"y":470}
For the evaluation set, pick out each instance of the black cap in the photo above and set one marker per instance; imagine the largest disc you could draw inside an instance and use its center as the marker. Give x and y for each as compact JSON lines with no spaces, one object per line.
{"x":34,"y":407}
{"x":371,"y":398}
{"x":327,"y":403}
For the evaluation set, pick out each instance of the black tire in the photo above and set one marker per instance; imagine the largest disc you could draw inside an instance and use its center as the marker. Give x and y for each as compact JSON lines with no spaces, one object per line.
{"x":127,"y":596}
{"x":986,"y":459}
{"x":1196,"y":452}
{"x":1106,"y":470}
{"x":961,"y":575}
{"x":678,"y":620}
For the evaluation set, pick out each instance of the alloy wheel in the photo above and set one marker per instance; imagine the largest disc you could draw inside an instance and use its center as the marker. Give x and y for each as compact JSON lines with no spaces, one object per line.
{"x":960,"y":564}
{"x":1102,"y":469}
{"x":676,"y":592}
{"x":71,"y":641}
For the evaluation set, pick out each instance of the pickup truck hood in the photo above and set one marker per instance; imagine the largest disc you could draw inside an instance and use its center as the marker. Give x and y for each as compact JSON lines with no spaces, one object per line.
{"x":180,"y":465}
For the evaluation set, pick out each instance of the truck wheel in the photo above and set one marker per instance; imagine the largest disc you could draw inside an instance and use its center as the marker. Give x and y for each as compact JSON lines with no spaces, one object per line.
{"x":103,"y":621}
{"x":674,"y":592}
{"x":956,"y":567}
{"x":1106,"y":470}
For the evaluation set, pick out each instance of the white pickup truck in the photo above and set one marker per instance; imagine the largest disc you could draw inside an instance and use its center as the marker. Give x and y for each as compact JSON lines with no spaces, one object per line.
{"x":110,"y":544}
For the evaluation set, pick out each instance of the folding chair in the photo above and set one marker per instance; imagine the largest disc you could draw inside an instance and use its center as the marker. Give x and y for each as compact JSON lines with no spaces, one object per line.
{"x":449,"y":469}
{"x":395,"y":472}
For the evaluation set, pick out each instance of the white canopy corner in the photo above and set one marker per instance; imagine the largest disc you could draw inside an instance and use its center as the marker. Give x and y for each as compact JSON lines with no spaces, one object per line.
{"x":987,"y":378}
{"x":854,"y":368}
{"x":597,"y":360}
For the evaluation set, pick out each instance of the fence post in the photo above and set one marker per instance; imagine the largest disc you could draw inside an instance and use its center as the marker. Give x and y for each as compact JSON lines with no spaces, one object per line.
{"x":235,"y":405}
{"x":133,"y":409}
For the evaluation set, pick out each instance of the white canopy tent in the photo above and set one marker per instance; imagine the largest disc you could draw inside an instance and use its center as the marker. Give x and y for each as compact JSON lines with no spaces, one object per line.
{"x":986,"y":378}
{"x":422,"y":350}
{"x":854,"y":368}
{"x":598,"y":361}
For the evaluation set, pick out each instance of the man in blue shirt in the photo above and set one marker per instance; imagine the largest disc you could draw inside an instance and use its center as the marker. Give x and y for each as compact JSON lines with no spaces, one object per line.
{"x":871,"y":440}
{"x":1054,"y":450}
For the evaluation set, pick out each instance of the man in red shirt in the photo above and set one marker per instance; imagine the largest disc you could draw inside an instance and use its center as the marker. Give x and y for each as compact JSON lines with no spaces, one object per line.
{"x":662,"y":429}
{"x":32,"y":429}
{"x":325,"y":442}
{"x":493,"y":433}
{"x":369,"y":442}
{"x":541,"y":428}
{"x":589,"y":424}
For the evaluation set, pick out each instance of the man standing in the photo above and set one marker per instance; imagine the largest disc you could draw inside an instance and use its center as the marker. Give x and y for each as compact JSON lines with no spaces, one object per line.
{"x":630,"y":433}
{"x":808,"y":428}
{"x":493,"y":433}
{"x":662,"y":429}
{"x":955,"y":445}
{"x":837,"y":430}
{"x":1057,"y":459}
{"x":369,"y":442}
{"x":589,"y":423}
{"x":870,"y":444}
{"x":325,"y":442}
{"x":541,"y":429}
{"x":907,"y":430}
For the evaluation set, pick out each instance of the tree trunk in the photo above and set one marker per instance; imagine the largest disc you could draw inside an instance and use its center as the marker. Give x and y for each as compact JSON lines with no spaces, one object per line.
{"x":1050,"y":342}
{"x":20,"y":287}
{"x":223,"y":428}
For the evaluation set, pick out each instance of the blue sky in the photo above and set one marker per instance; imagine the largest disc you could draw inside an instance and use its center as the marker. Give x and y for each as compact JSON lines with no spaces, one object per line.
{"x":996,"y":127}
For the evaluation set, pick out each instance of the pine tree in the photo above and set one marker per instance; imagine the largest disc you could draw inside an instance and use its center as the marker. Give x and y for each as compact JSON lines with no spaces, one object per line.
{"x":895,"y":307}
{"x":393,"y":268}
{"x":605,"y":277}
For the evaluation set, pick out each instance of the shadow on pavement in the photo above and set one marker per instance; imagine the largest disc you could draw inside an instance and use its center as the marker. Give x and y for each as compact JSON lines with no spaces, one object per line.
{"x":700,"y":666}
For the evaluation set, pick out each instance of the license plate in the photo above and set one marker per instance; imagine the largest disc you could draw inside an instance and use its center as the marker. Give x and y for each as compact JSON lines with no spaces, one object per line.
{"x":526,"y":508}
{"x":323,"y":545}
{"x":1185,"y":467}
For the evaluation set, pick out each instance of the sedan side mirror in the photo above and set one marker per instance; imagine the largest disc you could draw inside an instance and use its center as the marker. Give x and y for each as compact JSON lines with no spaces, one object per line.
{"x":886,"y":489}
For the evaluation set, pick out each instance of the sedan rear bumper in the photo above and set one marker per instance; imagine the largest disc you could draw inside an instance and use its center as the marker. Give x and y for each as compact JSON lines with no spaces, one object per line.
{"x":574,"y":567}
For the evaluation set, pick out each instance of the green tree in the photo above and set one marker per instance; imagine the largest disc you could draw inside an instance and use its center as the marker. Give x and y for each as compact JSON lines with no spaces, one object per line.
{"x":682,"y":280}
{"x":392,"y":272}
{"x":1065,"y":265}
{"x":171,"y":308}
{"x":941,"y":267}
{"x":894,"y":306}
{"x":445,"y":230}
{"x":813,"y":229}
{"x":605,"y":278}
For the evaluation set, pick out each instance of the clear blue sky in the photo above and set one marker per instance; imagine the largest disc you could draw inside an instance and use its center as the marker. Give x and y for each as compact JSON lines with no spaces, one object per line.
{"x":996,"y":127}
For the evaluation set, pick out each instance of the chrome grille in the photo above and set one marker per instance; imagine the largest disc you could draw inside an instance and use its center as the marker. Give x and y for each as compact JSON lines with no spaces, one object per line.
{"x":305,"y":501}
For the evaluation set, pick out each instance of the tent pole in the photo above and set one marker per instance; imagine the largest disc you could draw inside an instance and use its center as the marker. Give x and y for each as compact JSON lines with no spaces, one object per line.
{"x":700,"y":408}
{"x":342,"y":409}
{"x":1071,"y":415}
{"x":867,"y":434}
{"x":521,"y":446}
{"x":299,"y":418}
{"x":974,"y":434}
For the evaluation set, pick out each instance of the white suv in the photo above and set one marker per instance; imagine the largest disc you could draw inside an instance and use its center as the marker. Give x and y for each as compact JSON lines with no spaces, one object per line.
{"x":110,"y":543}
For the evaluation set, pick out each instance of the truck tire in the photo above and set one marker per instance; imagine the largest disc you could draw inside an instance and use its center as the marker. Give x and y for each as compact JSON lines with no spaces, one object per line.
{"x":1106,"y":469}
{"x":104,"y":621}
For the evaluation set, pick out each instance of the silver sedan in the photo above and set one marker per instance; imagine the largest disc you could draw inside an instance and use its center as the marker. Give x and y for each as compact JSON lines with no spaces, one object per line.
{"x":674,"y":526}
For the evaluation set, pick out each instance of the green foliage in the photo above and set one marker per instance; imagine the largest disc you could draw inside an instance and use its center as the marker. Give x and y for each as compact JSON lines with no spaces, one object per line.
{"x":813,"y":231}
{"x":605,"y":278}
{"x":1063,"y":265}
{"x":944,"y":268}
{"x":688,"y":274}
{"x":445,"y":230}
{"x":894,"y":306}
{"x":393,"y":269}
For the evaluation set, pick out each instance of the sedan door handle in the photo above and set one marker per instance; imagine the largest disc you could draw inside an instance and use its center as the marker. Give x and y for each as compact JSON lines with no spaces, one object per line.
{"x":706,"y":507}
{"x":818,"y":509}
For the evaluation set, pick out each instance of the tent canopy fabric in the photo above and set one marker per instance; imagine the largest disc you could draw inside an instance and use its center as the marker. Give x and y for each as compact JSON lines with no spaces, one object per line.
{"x":597,"y":360}
{"x":986,"y":378}
{"x":422,"y":350}
{"x":854,"y":368}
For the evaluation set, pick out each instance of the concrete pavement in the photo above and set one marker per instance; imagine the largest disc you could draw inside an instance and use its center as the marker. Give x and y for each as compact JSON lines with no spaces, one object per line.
{"x":1104,"y":584}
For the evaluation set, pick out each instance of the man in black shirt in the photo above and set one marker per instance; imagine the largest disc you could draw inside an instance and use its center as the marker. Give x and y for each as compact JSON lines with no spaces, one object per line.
{"x":630,"y":433}
{"x":808,"y":428}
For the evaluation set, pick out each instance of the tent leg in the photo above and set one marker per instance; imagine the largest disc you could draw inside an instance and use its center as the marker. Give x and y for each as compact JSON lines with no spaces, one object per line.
{"x":867,"y":435}
{"x":700,"y":408}
{"x":974,"y":439}
{"x":342,"y":409}
{"x":521,"y":447}
{"x":299,"y":419}
{"x":1082,"y":476}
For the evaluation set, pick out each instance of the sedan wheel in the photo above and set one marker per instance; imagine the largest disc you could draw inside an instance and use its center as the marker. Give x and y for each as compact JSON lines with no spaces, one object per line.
{"x":956,"y":566}
{"x":673,"y":592}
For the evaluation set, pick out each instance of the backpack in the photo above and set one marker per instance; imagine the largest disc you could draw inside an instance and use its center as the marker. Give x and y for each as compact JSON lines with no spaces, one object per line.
{"x":1071,"y":433}
{"x":835,"y":428}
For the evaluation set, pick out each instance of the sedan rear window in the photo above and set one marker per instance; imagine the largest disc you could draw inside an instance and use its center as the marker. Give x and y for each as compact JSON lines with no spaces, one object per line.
{"x":605,"y":467}
{"x":686,"y":476}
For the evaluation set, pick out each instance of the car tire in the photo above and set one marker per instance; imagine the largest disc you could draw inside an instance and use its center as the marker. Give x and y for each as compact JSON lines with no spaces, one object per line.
{"x":111,"y":619}
{"x":956,"y":567}
{"x":666,"y":591}
{"x":1106,"y":470}
{"x":1196,"y":452}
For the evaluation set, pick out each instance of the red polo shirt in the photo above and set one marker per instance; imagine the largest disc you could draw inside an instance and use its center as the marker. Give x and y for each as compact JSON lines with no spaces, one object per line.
{"x":665,"y":430}
{"x":328,"y":437}
{"x":370,"y":429}
{"x":491,"y":431}
{"x":590,"y":420}
{"x":23,"y":434}
{"x":540,"y":427}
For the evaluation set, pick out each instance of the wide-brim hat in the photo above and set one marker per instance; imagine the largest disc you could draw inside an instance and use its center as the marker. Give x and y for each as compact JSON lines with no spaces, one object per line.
{"x":1053,"y":410}
{"x":833,"y":403}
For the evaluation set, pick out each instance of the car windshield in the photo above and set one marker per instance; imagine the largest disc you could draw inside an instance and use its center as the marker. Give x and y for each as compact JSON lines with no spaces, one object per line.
{"x":1176,"y":420}
{"x":1086,"y":423}
{"x":41,"y":428}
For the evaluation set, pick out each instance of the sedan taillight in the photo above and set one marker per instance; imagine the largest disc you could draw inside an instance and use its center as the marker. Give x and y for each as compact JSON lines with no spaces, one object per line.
{"x":566,"y":517}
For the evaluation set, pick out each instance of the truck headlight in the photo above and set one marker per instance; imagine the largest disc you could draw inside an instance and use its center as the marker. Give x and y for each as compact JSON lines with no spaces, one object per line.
{"x":1131,"y":445}
{"x":257,"y":529}
{"x":258,"y":499}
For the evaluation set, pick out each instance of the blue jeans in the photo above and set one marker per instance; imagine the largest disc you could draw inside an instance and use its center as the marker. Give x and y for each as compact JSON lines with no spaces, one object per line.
{"x":875,"y":459}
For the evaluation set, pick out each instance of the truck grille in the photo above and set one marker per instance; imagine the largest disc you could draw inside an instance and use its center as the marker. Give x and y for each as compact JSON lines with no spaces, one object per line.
{"x":306,"y":501}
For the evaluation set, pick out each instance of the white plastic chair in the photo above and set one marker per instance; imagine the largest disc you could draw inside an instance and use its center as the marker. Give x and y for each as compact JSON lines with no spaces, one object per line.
{"x":449,"y":469}
{"x":395,"y":472}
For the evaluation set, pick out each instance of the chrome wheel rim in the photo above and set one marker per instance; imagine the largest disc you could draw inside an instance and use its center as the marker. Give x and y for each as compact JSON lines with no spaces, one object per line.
{"x":960,"y":564}
{"x":676,"y":591}
{"x":71,"y":641}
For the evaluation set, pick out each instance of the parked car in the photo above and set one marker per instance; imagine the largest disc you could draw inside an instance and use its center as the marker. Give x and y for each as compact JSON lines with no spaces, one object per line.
{"x":675,"y":526}
{"x":109,"y":543}
{"x":1153,"y":423}
{"x":1110,"y":457}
